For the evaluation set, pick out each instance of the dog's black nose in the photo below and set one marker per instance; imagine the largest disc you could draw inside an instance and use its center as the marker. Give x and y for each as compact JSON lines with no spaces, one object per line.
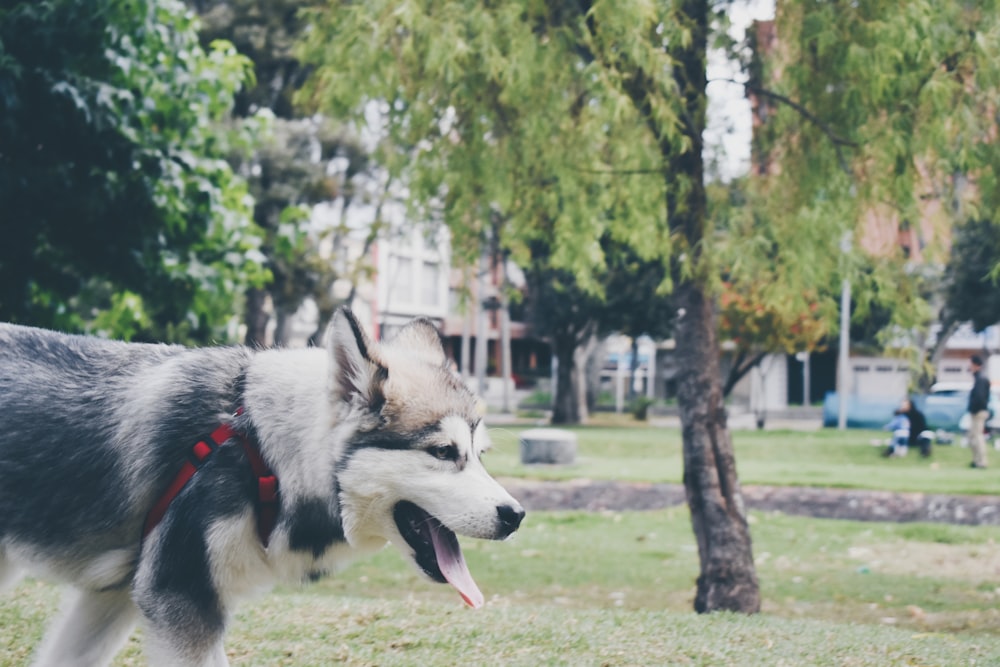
{"x":510,"y":518}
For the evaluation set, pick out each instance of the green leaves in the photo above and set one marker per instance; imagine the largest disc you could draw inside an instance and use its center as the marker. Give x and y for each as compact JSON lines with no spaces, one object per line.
{"x":901,"y":118}
{"x":513,"y":109}
{"x":112,"y":170}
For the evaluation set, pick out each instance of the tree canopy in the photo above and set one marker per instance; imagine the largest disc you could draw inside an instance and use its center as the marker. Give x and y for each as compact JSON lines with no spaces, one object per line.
{"x":304,"y":160}
{"x":971,"y":290}
{"x":495,"y":108}
{"x":119,"y":213}
{"x":901,"y":121}
{"x":574,"y":124}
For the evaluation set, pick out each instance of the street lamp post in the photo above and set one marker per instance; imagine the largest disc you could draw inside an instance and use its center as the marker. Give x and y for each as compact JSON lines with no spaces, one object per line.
{"x":845,"y":336}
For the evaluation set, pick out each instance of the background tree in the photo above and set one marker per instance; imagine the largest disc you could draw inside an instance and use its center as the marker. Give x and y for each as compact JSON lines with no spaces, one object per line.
{"x":765,"y":304}
{"x":971,"y":290}
{"x":303,"y":161}
{"x":574,"y":320}
{"x":118,"y":213}
{"x":635,"y":304}
{"x":966,"y":292}
{"x":569,"y":319}
{"x":901,"y":119}
{"x":586,"y":119}
{"x":576,"y":122}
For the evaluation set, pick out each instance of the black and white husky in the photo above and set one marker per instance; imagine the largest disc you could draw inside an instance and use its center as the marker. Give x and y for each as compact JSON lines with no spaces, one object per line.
{"x":166,"y":483}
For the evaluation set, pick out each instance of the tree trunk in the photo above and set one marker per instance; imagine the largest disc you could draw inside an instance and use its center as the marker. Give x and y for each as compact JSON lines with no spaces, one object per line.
{"x":506,"y":363}
{"x":564,"y":402}
{"x":595,"y":364}
{"x":569,"y":404}
{"x":633,"y":369}
{"x":581,"y":359}
{"x":257,"y":318}
{"x":728,"y":579}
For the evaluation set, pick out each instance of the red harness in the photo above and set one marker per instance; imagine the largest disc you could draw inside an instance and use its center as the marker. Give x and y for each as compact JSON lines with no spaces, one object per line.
{"x":267,"y":483}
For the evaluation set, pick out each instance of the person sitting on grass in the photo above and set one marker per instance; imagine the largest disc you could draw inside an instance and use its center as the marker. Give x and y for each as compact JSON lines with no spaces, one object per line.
{"x":900,"y":427}
{"x":919,"y":436}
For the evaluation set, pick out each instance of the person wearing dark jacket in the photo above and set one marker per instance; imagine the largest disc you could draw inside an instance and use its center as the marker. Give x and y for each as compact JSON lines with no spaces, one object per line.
{"x":919,"y":435}
{"x":979,"y":411}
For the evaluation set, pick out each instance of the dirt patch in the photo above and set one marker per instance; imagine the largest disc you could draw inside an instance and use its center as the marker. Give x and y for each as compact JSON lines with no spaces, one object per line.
{"x":950,"y":561}
{"x":857,"y":505}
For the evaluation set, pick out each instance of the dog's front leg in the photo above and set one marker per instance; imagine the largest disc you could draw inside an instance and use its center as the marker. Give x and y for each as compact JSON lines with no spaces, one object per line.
{"x":184,"y":619}
{"x":9,"y":573}
{"x":166,"y":649}
{"x":91,"y":627}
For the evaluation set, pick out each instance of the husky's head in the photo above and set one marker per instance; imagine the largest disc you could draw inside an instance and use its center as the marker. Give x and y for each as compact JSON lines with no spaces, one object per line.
{"x":411,"y":473}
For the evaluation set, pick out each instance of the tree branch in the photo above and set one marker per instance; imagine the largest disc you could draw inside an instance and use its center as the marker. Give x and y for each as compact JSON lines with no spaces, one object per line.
{"x":805,"y":113}
{"x":838,"y":141}
{"x":741,"y":366}
{"x":621,"y":172}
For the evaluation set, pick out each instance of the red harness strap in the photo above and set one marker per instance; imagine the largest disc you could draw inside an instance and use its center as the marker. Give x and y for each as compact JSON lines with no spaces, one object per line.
{"x":267,"y":483}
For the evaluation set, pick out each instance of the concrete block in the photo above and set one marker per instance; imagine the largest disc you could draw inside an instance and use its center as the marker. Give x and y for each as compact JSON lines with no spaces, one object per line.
{"x":548,"y":445}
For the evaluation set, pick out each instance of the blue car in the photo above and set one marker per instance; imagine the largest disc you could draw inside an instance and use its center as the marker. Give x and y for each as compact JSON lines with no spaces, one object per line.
{"x":944,"y":407}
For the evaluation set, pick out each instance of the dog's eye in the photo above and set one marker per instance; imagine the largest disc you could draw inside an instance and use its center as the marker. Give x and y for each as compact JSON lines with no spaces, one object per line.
{"x":444,"y":452}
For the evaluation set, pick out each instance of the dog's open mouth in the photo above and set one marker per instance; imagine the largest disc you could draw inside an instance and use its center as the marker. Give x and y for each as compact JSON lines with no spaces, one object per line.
{"x":436,"y":550}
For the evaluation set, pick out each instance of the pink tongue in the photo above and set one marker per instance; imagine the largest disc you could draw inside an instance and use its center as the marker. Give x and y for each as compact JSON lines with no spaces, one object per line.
{"x":453,"y":567}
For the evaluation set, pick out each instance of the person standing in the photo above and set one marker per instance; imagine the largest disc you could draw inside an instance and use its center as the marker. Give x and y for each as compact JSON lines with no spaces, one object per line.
{"x":979,"y":403}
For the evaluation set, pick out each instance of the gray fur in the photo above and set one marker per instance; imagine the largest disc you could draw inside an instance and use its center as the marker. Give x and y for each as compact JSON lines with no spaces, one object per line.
{"x":94,"y":431}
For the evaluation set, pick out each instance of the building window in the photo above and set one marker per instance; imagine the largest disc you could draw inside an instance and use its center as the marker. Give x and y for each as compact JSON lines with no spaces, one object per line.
{"x":429,"y":284}
{"x":401,"y":281}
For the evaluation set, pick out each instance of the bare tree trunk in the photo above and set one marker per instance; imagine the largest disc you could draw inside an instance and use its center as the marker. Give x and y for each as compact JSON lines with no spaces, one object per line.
{"x":466,"y":348}
{"x":572,"y":349}
{"x":283,"y":327}
{"x":581,"y":358}
{"x":927,"y":373}
{"x":257,"y":318}
{"x":507,"y":373}
{"x":728,"y":580}
{"x":565,"y":406}
{"x":482,"y":330}
{"x":595,"y":364}
{"x":633,"y":368}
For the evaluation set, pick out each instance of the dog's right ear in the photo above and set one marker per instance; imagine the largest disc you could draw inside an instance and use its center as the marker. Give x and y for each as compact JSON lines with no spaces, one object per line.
{"x":356,"y":375}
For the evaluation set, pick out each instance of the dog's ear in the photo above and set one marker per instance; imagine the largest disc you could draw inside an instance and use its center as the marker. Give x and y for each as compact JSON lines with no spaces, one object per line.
{"x":355,"y":370}
{"x":421,"y":337}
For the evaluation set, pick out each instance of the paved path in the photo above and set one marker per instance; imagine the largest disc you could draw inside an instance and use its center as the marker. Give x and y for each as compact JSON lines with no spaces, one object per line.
{"x":822,"y":503}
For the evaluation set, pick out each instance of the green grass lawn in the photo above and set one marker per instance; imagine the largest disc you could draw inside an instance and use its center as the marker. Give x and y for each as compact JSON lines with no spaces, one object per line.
{"x":578,"y":588}
{"x":616,"y":588}
{"x":827,"y":457}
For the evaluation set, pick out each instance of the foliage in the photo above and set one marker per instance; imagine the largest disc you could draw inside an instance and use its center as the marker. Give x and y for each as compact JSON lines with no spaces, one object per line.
{"x":493,"y":108}
{"x":111,"y":179}
{"x":900,"y":120}
{"x":778,"y":289}
{"x":971,"y":290}
{"x":265,"y":31}
{"x":493,"y":112}
{"x":777,"y":292}
{"x":303,"y":162}
{"x":639,"y":407}
{"x":568,"y":315}
{"x":751,"y":320}
{"x":572,"y":123}
{"x":290,"y":172}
